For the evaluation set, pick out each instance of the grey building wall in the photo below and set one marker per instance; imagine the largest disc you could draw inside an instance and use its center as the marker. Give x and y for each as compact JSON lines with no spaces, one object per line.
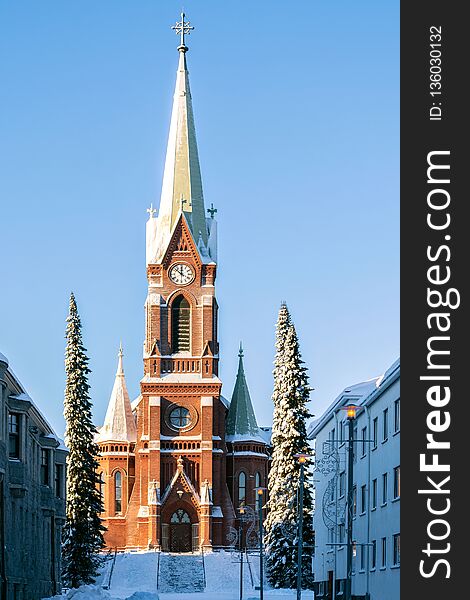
{"x":376,"y":518}
{"x":32,"y":495}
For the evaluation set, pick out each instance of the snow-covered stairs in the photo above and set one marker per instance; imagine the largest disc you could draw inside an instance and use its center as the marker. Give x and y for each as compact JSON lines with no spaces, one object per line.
{"x":181,"y":573}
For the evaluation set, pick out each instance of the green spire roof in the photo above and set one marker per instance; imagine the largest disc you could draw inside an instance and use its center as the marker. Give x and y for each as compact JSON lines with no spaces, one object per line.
{"x":241,"y":420}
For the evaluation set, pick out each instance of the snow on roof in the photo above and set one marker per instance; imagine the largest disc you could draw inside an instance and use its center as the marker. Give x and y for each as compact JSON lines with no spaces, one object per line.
{"x":266,"y":434}
{"x":25,"y":397}
{"x":225,"y":401}
{"x":360,"y":394}
{"x":3,"y":359}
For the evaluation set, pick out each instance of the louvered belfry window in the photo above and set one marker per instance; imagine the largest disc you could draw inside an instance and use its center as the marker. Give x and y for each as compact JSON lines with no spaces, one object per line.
{"x":181,"y":325}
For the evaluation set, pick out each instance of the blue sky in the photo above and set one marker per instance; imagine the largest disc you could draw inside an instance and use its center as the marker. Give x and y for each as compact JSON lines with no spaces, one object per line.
{"x":297,"y":118}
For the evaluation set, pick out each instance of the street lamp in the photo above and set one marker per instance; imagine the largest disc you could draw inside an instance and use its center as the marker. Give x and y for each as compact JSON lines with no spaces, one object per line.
{"x":302,"y":458}
{"x":351,"y":411}
{"x":241,"y":512}
{"x":260,"y":493}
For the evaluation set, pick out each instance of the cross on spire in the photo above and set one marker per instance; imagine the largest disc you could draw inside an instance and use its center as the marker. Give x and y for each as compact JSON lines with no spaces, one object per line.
{"x":151,"y":211}
{"x":183,"y":202}
{"x":212,"y":210}
{"x":182,"y":28}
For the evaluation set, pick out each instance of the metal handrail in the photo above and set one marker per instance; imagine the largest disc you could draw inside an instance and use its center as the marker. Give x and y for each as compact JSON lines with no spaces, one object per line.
{"x":203,"y":567}
{"x":158,"y":567}
{"x":111,"y":570}
{"x":249,"y":567}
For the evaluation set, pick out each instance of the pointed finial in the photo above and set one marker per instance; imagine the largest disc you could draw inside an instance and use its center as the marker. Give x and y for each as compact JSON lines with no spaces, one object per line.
{"x":151,"y":211}
{"x":182,"y":28}
{"x":120,"y":369}
{"x":240,"y":351}
{"x":212,"y":210}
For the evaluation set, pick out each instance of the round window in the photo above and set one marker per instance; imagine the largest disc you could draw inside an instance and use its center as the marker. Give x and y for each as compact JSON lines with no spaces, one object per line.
{"x":180,"y":417}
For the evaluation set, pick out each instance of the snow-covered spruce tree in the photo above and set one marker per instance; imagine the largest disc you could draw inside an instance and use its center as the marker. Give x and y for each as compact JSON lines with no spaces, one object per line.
{"x":290,"y":397}
{"x":82,"y":534}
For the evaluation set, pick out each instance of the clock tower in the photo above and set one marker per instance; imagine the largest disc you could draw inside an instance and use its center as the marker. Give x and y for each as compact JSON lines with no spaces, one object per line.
{"x":168,"y":450}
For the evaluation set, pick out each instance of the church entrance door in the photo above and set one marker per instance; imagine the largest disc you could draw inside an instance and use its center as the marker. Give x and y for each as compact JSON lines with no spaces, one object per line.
{"x":180,"y":532}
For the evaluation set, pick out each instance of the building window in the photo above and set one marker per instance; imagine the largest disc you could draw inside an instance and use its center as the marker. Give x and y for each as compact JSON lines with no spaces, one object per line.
{"x":330,"y":536}
{"x":14,"y":421}
{"x":58,"y":480}
{"x":118,"y":492}
{"x":341,"y":432}
{"x":396,"y":482}
{"x":180,"y":417}
{"x":364,"y":438}
{"x":396,"y":549}
{"x":332,"y":435}
{"x":341,"y":532}
{"x":181,"y":325}
{"x":385,"y":426}
{"x":241,"y":488}
{"x":374,"y":493}
{"x":363,"y":557}
{"x":375,"y":431}
{"x":354,"y":501}
{"x":342,"y":484}
{"x":363,"y":499}
{"x":384,"y":488}
{"x":373,"y":554}
{"x":384,"y":552}
{"x":396,"y":420}
{"x":44,"y":466}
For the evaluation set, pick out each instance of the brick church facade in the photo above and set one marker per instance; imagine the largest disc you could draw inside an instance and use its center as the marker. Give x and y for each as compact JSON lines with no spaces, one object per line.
{"x":177,"y":463}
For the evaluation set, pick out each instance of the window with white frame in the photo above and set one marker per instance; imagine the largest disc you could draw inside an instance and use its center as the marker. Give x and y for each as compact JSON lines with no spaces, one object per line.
{"x":363,"y":499}
{"x":396,"y":415}
{"x":385,"y":425}
{"x":396,"y":549}
{"x":342,"y":483}
{"x":384,"y":488}
{"x":384,"y":552}
{"x":396,"y":482}
{"x":364,"y":442}
{"x":373,"y":554}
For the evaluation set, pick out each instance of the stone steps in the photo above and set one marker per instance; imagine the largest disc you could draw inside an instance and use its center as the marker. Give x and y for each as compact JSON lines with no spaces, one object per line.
{"x":181,"y":573}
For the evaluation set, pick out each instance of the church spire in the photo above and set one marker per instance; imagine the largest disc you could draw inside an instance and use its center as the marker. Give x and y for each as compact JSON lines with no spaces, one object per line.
{"x":182,"y":183}
{"x":241,"y":420}
{"x":119,"y":423}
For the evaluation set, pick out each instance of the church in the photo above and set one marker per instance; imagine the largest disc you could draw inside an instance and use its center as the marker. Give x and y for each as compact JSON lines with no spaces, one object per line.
{"x":176,"y":464}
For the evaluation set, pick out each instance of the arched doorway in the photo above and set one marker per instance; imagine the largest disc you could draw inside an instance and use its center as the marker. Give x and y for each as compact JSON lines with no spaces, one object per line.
{"x":180,"y":532}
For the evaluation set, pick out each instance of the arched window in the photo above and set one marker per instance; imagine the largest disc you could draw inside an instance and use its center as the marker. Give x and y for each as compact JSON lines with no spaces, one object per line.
{"x":118,"y":492}
{"x":241,"y":488}
{"x":257,"y":479}
{"x":180,"y":325}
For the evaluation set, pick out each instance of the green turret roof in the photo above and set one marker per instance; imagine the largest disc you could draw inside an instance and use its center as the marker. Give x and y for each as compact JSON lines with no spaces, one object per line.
{"x":241,"y":420}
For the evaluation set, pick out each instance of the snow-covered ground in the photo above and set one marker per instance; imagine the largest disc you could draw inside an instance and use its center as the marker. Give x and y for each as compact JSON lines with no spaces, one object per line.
{"x":134,"y":577}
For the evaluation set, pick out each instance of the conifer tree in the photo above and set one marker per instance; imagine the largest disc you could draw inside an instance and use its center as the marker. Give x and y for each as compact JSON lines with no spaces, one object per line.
{"x":82,"y":533}
{"x":290,"y":397}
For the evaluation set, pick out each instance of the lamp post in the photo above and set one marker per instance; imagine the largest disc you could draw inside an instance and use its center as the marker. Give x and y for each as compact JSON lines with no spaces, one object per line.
{"x":241,"y":511}
{"x":302,"y":458}
{"x":351,"y":415}
{"x":260,"y":492}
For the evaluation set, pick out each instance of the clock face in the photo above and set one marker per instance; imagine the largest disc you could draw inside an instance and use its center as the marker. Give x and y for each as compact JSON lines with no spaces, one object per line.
{"x":181,"y":274}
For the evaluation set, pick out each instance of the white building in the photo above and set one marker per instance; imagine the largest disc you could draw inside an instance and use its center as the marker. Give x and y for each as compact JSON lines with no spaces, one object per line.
{"x":375,"y":503}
